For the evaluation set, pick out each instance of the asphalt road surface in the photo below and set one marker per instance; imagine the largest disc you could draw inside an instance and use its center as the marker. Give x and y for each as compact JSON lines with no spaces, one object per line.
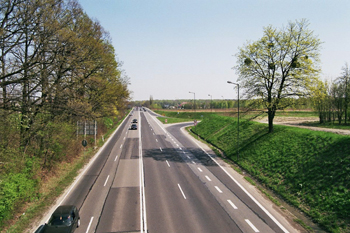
{"x":157,"y":179}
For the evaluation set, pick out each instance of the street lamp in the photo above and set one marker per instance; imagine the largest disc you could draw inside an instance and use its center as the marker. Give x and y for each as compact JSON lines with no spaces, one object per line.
{"x":194,"y":100}
{"x":211,"y":102}
{"x":223,"y":103}
{"x":237,"y":84}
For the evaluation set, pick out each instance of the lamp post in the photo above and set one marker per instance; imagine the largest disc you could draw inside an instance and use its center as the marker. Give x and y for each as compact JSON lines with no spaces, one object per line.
{"x":194,"y":100}
{"x":223,"y":99}
{"x":211,"y":102}
{"x":237,"y":84}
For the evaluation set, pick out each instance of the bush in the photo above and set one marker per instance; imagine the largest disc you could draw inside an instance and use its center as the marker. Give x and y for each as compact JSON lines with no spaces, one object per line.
{"x":14,"y":190}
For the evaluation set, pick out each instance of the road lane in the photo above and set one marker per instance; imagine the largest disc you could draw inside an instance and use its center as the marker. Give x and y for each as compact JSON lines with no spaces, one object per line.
{"x":246,"y":213}
{"x":121,"y":212}
{"x":176,"y":200}
{"x":108,"y":194}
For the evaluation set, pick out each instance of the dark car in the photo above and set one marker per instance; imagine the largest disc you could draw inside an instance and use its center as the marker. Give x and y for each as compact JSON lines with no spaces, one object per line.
{"x":65,"y":219}
{"x":133,"y":126}
{"x":134,"y":121}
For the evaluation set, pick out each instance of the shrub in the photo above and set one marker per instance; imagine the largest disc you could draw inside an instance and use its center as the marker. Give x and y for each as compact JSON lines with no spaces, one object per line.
{"x":14,"y":190}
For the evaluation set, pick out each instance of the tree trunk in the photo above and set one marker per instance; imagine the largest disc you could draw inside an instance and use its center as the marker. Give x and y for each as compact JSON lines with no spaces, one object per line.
{"x":271,"y":114}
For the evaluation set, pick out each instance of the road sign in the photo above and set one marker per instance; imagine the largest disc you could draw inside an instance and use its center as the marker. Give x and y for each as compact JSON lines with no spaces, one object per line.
{"x":84,"y":143}
{"x":86,"y":127}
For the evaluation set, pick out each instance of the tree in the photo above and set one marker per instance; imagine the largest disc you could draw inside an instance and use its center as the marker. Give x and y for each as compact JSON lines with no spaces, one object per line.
{"x":55,"y":62}
{"x":344,"y":82}
{"x":283,"y":64}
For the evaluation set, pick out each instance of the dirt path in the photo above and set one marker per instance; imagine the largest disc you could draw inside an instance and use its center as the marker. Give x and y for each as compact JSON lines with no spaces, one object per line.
{"x":296,"y":122}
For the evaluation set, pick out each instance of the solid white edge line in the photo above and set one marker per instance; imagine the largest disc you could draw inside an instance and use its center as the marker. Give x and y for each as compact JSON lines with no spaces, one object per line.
{"x":183,"y":194}
{"x":244,"y":190}
{"x":87,"y":230}
{"x":251,"y":225}
{"x":106,"y":181}
{"x":233,"y":205}
{"x":143,"y":218}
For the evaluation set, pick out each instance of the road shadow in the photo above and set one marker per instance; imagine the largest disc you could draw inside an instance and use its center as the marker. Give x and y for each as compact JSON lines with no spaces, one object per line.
{"x":179,"y":156}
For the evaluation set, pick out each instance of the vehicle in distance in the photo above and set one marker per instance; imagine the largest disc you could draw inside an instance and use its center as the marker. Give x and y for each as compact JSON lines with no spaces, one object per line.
{"x":133,"y":126}
{"x":134,"y":121}
{"x":65,"y":219}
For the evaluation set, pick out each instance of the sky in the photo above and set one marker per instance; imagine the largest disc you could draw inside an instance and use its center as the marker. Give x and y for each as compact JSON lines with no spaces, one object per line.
{"x":172,"y":47}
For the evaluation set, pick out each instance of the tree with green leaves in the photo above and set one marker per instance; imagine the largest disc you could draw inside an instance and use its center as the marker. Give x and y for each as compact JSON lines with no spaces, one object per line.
{"x":283,"y":64}
{"x":344,"y":82}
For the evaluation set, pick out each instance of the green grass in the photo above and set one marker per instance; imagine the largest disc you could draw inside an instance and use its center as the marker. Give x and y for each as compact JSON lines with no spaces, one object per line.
{"x":309,"y":169}
{"x":189,"y":116}
{"x":171,"y":120}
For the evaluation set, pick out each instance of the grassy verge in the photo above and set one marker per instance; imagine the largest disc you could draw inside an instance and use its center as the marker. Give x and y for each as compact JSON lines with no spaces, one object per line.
{"x":171,"y":120}
{"x":309,"y":169}
{"x":62,"y":178}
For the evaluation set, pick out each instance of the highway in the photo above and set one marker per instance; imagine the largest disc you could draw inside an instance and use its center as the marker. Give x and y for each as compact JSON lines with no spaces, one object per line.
{"x":158,"y":179}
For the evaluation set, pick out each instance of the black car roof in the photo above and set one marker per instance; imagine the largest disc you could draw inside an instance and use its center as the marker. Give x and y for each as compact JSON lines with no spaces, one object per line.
{"x":63,"y":209}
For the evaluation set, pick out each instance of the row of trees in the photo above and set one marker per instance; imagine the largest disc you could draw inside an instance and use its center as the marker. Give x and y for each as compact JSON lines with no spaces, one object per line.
{"x":57,"y":66}
{"x":56,"y":63}
{"x":217,"y":104}
{"x":188,"y":104}
{"x":331,"y":98}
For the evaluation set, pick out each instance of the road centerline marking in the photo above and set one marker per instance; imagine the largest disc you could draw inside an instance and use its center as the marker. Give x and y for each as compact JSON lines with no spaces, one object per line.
{"x":208,"y":178}
{"x":183,"y":194}
{"x":233,"y":205}
{"x":106,"y":180}
{"x":217,"y":188}
{"x":87,"y":230}
{"x":251,"y":225}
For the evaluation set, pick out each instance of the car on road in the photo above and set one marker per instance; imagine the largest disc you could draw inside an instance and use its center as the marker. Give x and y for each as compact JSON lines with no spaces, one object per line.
{"x":133,"y":126}
{"x":65,"y":219}
{"x":134,"y":121}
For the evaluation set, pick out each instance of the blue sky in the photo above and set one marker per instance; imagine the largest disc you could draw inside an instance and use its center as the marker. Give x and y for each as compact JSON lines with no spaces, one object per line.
{"x":171,"y":47}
